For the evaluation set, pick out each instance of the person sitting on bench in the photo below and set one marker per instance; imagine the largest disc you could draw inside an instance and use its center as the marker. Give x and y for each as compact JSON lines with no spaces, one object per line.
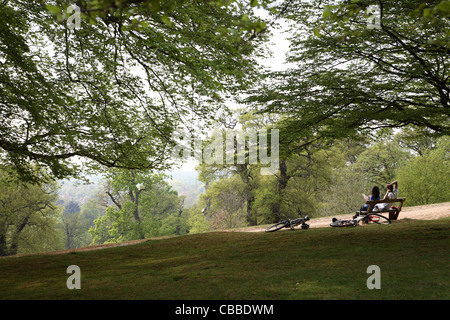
{"x":375,"y":196}
{"x":391,"y":193}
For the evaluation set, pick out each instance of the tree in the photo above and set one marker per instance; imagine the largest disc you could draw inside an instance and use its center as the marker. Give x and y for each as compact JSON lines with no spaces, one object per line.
{"x":27,"y":212}
{"x":125,"y":189}
{"x":112,"y":90}
{"x":343,"y":194}
{"x":246,"y":172}
{"x":75,"y":230}
{"x":425,"y":178}
{"x":76,"y":223}
{"x":72,"y":207}
{"x":228,"y":202}
{"x":298,"y":186}
{"x":418,"y":141}
{"x":379,"y":163}
{"x":139,"y":205}
{"x":241,"y":141}
{"x":92,"y":210}
{"x":349,"y":78}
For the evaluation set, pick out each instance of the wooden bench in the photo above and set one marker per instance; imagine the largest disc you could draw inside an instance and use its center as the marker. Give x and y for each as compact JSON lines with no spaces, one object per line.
{"x":393,"y":212}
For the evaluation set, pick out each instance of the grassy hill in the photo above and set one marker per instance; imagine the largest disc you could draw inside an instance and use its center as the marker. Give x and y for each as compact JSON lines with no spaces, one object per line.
{"x":319,"y":263}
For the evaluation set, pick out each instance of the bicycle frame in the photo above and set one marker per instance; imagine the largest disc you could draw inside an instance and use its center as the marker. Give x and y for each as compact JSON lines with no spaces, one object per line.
{"x":367,"y":217}
{"x":296,"y":222}
{"x":375,"y":218}
{"x":359,"y":218}
{"x":289,"y":224}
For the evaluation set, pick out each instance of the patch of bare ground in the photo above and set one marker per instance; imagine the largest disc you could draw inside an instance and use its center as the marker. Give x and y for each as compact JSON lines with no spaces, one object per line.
{"x":424,"y":212}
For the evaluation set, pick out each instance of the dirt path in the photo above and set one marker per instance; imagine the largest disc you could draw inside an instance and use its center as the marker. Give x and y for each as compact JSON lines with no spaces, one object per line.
{"x":426,"y":212}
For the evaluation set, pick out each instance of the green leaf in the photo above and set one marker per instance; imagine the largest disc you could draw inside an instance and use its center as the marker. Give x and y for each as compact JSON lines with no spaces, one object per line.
{"x":53,"y":9}
{"x":327,"y":12}
{"x":166,"y":20}
{"x":317,"y":31}
{"x":144,"y":24}
{"x":444,"y":6}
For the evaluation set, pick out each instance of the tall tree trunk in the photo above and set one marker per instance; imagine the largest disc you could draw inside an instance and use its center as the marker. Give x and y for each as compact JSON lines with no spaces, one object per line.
{"x":134,"y":197}
{"x":137,"y":218}
{"x":3,"y":248}
{"x":15,"y":238}
{"x":282,"y":182}
{"x":244,"y":172}
{"x":251,"y":219}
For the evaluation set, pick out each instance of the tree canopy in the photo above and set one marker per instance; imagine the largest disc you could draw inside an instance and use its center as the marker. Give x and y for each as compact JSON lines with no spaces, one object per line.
{"x":112,"y":90}
{"x":349,"y":78}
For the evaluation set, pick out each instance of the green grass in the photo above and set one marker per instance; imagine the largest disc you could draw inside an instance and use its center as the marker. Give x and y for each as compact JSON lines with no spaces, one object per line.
{"x":319,"y":263}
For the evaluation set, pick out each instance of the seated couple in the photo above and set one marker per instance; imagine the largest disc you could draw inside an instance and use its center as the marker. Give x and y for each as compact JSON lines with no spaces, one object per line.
{"x":391,"y":193}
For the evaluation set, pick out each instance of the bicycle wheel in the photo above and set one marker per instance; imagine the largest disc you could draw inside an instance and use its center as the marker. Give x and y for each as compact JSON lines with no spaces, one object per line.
{"x":278,"y":226}
{"x":376,"y":218}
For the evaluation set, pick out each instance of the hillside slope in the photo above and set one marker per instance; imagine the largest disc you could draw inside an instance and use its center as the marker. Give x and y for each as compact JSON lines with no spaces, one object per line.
{"x":319,"y":263}
{"x":424,"y":212}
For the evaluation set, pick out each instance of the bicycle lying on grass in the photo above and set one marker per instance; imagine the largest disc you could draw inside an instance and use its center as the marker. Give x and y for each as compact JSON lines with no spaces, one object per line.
{"x":289,"y":224}
{"x":368,"y":218}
